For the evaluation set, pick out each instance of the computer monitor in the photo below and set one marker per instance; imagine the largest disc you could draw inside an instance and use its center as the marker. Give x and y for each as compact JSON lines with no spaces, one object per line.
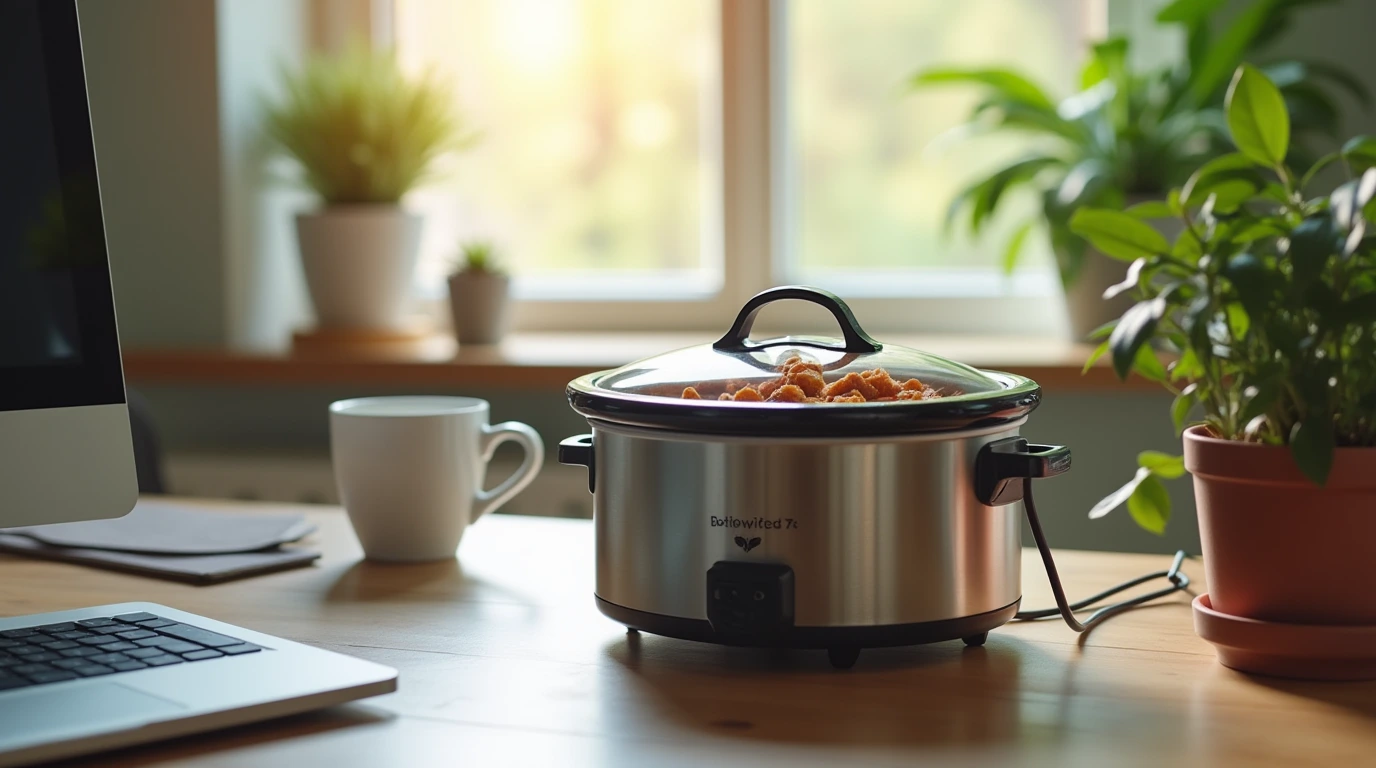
{"x":66,"y":452}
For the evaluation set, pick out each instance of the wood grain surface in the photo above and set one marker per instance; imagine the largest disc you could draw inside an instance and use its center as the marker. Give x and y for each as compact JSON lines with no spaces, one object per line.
{"x":550,"y":360}
{"x":505,"y":662}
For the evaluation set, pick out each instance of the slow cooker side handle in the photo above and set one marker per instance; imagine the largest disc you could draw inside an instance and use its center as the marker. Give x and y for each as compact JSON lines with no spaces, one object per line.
{"x":738,"y":338}
{"x":578,"y":450}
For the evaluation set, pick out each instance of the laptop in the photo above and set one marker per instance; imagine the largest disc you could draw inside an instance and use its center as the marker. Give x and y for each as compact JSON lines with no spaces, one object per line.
{"x":80,"y":681}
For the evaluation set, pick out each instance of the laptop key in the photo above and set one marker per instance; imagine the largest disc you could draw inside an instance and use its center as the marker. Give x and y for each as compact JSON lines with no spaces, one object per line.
{"x":44,"y":656}
{"x":142,"y":653}
{"x":56,"y":676}
{"x":75,"y":634}
{"x":26,"y":650}
{"x":7,"y":643}
{"x":238,"y":650}
{"x":119,"y":646}
{"x":9,"y":661}
{"x":111,"y":629}
{"x":92,"y":623}
{"x":130,"y":618}
{"x":197,"y":635}
{"x":69,"y":663}
{"x":48,"y":629}
{"x":57,"y":645}
{"x":137,"y":634}
{"x":155,"y":623}
{"x":202,"y":655}
{"x":92,"y":670}
{"x":161,"y":661}
{"x":97,"y":640}
{"x":107,"y":658}
{"x":169,"y":644}
{"x":6,"y":683}
{"x":28,"y":670}
{"x":16,"y":634}
{"x":128,"y":666}
{"x":77,"y":653}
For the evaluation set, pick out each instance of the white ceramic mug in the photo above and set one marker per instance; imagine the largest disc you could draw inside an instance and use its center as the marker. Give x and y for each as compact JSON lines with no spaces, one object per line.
{"x":410,"y":470}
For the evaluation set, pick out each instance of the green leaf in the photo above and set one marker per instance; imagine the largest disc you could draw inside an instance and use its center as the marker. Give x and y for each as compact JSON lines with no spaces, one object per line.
{"x":1312,"y":444}
{"x":1147,"y":365}
{"x":987,"y":194}
{"x":1133,"y":330}
{"x":1162,"y":464}
{"x":1233,"y":177}
{"x":1180,"y":410}
{"x":1226,"y":52}
{"x":1252,"y":280}
{"x":1257,"y":118}
{"x":1188,"y":12}
{"x":1319,"y":165}
{"x":1152,"y":209}
{"x":1117,"y":234}
{"x":1014,"y":247}
{"x":1150,"y":505}
{"x":1360,"y":153}
{"x":1005,"y":82}
{"x":1311,"y":245}
{"x":1260,"y":401}
{"x":1238,"y":320}
{"x":1103,"y":331}
{"x":1129,"y":282}
{"x":1116,"y":499}
{"x":1094,"y":356}
{"x":1187,"y":247}
{"x":1186,"y":366}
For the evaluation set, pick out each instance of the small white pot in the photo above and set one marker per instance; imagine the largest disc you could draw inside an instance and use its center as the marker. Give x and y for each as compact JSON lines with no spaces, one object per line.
{"x":359,"y":261}
{"x":479,"y":305}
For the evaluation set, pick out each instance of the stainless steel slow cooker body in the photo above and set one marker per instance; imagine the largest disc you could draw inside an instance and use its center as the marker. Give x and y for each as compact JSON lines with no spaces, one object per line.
{"x":821,"y":526}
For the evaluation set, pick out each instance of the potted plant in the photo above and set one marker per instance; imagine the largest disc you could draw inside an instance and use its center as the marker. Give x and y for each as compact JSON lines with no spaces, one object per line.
{"x":478,"y":295}
{"x":363,"y":134}
{"x":1126,"y":137}
{"x":1267,"y":301}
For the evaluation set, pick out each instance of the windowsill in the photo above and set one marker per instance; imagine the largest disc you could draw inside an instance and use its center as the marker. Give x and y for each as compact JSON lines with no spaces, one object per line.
{"x":547,"y":361}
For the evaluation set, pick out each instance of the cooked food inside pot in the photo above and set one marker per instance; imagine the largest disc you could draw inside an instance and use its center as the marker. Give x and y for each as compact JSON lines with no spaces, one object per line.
{"x":802,"y":381}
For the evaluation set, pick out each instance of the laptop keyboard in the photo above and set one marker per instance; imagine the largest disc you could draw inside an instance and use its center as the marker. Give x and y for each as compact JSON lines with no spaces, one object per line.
{"x":51,"y":653}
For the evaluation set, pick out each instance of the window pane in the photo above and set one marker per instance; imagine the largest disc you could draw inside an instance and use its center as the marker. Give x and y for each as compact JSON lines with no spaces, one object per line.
{"x":598,"y":121}
{"x":864,"y":186}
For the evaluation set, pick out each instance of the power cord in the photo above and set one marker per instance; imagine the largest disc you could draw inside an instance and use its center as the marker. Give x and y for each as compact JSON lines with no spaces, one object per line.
{"x":1178,"y":579}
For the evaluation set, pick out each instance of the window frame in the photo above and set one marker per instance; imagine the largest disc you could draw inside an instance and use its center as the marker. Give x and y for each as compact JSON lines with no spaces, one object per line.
{"x":753,"y":151}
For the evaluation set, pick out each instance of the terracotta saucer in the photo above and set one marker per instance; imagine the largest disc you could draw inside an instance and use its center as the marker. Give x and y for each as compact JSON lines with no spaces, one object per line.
{"x":1300,"y":651}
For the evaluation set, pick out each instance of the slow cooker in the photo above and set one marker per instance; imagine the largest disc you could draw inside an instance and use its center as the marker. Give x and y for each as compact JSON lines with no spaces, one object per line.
{"x":726,"y":517}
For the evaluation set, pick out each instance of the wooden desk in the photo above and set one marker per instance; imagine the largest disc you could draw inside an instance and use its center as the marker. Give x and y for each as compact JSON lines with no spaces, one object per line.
{"x":504,"y":661}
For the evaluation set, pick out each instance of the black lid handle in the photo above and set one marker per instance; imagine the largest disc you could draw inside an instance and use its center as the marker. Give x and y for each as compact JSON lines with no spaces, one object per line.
{"x":738,"y":338}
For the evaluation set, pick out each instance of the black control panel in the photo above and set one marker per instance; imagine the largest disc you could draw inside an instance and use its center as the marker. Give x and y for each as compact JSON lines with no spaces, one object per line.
{"x":749,"y":598}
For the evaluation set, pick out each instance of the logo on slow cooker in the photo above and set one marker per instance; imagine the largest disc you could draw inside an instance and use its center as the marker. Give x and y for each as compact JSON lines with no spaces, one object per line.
{"x":755,"y":523}
{"x":747,"y":545}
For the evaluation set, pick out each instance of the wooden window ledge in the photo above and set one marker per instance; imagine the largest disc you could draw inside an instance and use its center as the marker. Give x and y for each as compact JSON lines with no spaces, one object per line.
{"x":547,"y":361}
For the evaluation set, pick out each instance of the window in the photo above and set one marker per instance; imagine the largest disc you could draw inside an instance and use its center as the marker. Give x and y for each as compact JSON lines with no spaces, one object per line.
{"x":700,"y":150}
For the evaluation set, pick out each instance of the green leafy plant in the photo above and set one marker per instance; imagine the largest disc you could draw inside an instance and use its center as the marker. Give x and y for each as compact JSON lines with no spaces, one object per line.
{"x":479,"y":257}
{"x":360,"y":129}
{"x":1266,"y":300}
{"x":1128,"y":134}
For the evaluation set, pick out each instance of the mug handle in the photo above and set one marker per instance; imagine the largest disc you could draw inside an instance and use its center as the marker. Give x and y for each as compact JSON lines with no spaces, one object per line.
{"x":494,"y":436}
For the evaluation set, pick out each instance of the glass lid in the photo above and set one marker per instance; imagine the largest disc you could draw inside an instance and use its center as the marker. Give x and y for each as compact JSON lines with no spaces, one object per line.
{"x":853,"y":373}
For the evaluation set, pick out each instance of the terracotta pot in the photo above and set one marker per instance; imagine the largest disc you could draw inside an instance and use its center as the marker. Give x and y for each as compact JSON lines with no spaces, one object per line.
{"x":1277,"y":547}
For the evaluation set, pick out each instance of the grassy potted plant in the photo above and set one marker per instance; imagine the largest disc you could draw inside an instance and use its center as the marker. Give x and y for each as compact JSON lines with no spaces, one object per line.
{"x":478,"y":295}
{"x":1127,"y":136}
{"x":363,"y":134}
{"x":1267,"y":301}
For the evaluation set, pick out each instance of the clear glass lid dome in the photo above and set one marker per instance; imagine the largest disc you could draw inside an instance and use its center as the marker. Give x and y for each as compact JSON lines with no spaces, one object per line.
{"x":854,"y":373}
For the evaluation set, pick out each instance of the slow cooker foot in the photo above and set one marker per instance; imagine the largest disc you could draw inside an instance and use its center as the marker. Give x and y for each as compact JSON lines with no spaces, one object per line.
{"x":843,"y":658}
{"x":974,"y":641}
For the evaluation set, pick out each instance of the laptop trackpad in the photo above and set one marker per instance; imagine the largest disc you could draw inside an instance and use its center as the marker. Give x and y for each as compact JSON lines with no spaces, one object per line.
{"x":43,"y":715}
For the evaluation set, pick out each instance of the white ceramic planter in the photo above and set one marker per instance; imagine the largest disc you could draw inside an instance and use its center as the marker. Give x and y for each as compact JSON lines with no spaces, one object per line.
{"x":1084,"y":298}
{"x":480,"y":307}
{"x":359,"y":261}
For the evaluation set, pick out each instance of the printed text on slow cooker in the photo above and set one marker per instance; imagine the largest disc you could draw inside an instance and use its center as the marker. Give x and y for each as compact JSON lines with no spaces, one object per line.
{"x":755,"y":523}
